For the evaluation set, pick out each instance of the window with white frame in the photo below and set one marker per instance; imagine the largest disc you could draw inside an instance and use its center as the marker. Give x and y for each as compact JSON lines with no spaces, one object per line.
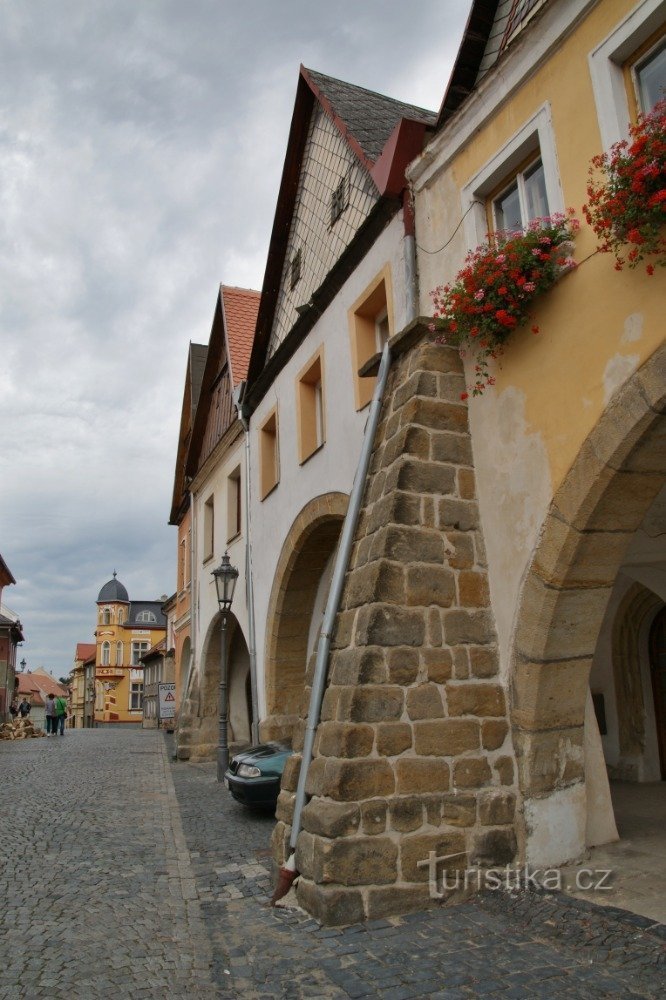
{"x":649,"y":76}
{"x":139,"y":649}
{"x":106,"y":654}
{"x":146,"y":616}
{"x":136,"y":696}
{"x":522,"y":200}
{"x":106,"y":617}
{"x":519,"y":183}
{"x":623,"y":54}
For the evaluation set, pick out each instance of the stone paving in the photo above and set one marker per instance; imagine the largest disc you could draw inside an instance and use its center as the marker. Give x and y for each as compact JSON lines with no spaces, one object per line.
{"x":126,"y":874}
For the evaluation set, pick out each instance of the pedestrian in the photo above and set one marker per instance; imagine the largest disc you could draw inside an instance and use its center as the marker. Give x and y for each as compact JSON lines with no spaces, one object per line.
{"x":50,"y":715}
{"x":60,"y":715}
{"x":13,"y":709}
{"x":24,"y":708}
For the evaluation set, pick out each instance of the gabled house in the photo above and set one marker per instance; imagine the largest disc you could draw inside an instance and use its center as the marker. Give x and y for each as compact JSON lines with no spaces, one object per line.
{"x":498,"y":647}
{"x":214,"y":472}
{"x":339,"y":281}
{"x":11,"y":634}
{"x":181,"y":517}
{"x":84,"y":651}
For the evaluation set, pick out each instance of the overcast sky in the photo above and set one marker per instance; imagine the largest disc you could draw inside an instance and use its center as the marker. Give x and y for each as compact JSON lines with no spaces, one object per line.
{"x":141,"y":145}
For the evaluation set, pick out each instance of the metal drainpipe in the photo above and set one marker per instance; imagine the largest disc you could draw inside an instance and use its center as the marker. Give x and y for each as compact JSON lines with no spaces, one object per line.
{"x":239,"y":396}
{"x":335,"y":592}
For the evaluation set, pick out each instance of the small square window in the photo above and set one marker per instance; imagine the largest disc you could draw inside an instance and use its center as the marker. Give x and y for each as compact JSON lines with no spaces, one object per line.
{"x":295,"y":271}
{"x":370,"y":326}
{"x":338,"y":200}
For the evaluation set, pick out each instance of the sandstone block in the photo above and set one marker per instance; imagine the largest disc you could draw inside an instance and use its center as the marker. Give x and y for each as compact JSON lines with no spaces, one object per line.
{"x":427,"y":584}
{"x":396,"y":508}
{"x":475,"y":699}
{"x":476,"y":627}
{"x":559,"y":624}
{"x":435,"y":630}
{"x":417,"y":847}
{"x":483,"y":661}
{"x":331,"y":906}
{"x":473,"y":589}
{"x":414,"y":441}
{"x":460,"y":550}
{"x":406,"y":814}
{"x":339,"y":739}
{"x":355,"y":780}
{"x":280,"y":842}
{"x":471,"y":772}
{"x":380,"y":703}
{"x":403,"y":665}
{"x":421,"y":774}
{"x":393,"y":738}
{"x":285,"y":806}
{"x":438,"y":664}
{"x":460,"y":663}
{"x":290,"y":774}
{"x":389,"y":625}
{"x":494,"y":847}
{"x":497,"y":808}
{"x":424,"y":702}
{"x":458,"y":810}
{"x":466,"y":484}
{"x":504,"y":770}
{"x":458,"y":515}
{"x":446,"y":737}
{"x":356,"y":861}
{"x":420,"y":477}
{"x":550,"y":695}
{"x":376,"y":581}
{"x":436,"y":414}
{"x":435,"y":357}
{"x":493,"y":733}
{"x":447,"y":446}
{"x":420,"y":383}
{"x":406,"y":544}
{"x":373,"y":817}
{"x":343,"y":629}
{"x":331,"y":819}
{"x":315,"y":782}
{"x":362,"y":665}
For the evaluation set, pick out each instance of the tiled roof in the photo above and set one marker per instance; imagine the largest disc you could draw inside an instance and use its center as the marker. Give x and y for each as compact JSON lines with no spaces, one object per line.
{"x":241,"y":306}
{"x":198,"y":354}
{"x":369,"y":117}
{"x":84,"y":650}
{"x":38,"y":680}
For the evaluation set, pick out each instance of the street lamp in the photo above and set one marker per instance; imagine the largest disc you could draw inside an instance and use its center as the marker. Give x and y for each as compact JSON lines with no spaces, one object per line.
{"x":23,"y":665}
{"x":226,"y":576}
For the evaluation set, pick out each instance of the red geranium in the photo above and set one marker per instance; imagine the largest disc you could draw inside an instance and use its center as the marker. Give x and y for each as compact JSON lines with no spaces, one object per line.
{"x":493,"y":293}
{"x":627,"y":194}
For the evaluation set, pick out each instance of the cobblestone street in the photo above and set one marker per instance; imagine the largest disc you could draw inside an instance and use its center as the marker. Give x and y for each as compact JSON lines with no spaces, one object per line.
{"x":125,"y":874}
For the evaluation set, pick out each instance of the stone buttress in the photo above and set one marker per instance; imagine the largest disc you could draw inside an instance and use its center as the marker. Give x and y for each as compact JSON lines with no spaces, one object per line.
{"x":413,"y":752}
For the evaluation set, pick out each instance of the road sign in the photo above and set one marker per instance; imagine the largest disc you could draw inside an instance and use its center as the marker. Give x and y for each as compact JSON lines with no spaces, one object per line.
{"x":167,"y":700}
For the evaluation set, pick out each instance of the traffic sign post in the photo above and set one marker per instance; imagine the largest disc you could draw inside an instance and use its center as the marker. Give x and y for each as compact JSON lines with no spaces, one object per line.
{"x":166,"y":700}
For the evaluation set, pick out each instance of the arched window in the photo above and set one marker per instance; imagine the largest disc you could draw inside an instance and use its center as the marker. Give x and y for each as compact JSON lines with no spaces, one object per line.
{"x":121,"y":616}
{"x":146,"y":616}
{"x":106,"y":618}
{"x":119,"y":654}
{"x":106,"y":653}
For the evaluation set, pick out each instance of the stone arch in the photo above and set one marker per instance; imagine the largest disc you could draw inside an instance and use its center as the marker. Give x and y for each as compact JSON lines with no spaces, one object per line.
{"x":307,"y":549}
{"x":638,"y":607}
{"x":603,"y":500}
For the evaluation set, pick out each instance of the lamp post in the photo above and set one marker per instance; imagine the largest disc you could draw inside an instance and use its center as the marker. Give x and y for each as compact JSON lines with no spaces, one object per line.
{"x":23,"y":665}
{"x":226,"y":576}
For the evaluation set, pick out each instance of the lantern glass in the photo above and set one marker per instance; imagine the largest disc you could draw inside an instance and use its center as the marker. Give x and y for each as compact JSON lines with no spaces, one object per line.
{"x":226,"y":576}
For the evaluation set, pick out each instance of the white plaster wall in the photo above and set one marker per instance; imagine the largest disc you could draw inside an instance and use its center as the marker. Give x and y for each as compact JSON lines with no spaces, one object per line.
{"x":204,"y":594}
{"x":332,"y":468}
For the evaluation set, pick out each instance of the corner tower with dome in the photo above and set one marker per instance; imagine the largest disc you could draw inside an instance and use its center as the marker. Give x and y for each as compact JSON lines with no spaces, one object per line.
{"x":125,"y":631}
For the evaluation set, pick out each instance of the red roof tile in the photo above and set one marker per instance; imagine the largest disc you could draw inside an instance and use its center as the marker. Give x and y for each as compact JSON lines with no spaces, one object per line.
{"x":84,"y":650}
{"x":241,"y":306}
{"x":33,"y":683}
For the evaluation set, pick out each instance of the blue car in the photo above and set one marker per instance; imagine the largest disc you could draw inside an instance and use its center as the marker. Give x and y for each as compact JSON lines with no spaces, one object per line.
{"x":253,"y":776}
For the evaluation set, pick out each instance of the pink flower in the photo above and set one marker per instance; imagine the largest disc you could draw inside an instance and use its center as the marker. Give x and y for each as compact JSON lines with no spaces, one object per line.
{"x":479,"y":295}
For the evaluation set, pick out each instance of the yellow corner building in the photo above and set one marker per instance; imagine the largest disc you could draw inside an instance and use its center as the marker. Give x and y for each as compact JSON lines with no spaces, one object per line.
{"x":125,"y":631}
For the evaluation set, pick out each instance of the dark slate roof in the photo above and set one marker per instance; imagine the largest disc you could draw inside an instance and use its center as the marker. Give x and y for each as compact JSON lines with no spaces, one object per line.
{"x":136,"y":607}
{"x":370,"y":117}
{"x":113,"y":591}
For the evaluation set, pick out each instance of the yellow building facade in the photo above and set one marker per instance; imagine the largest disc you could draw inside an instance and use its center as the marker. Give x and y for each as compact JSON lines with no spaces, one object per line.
{"x":125,"y":631}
